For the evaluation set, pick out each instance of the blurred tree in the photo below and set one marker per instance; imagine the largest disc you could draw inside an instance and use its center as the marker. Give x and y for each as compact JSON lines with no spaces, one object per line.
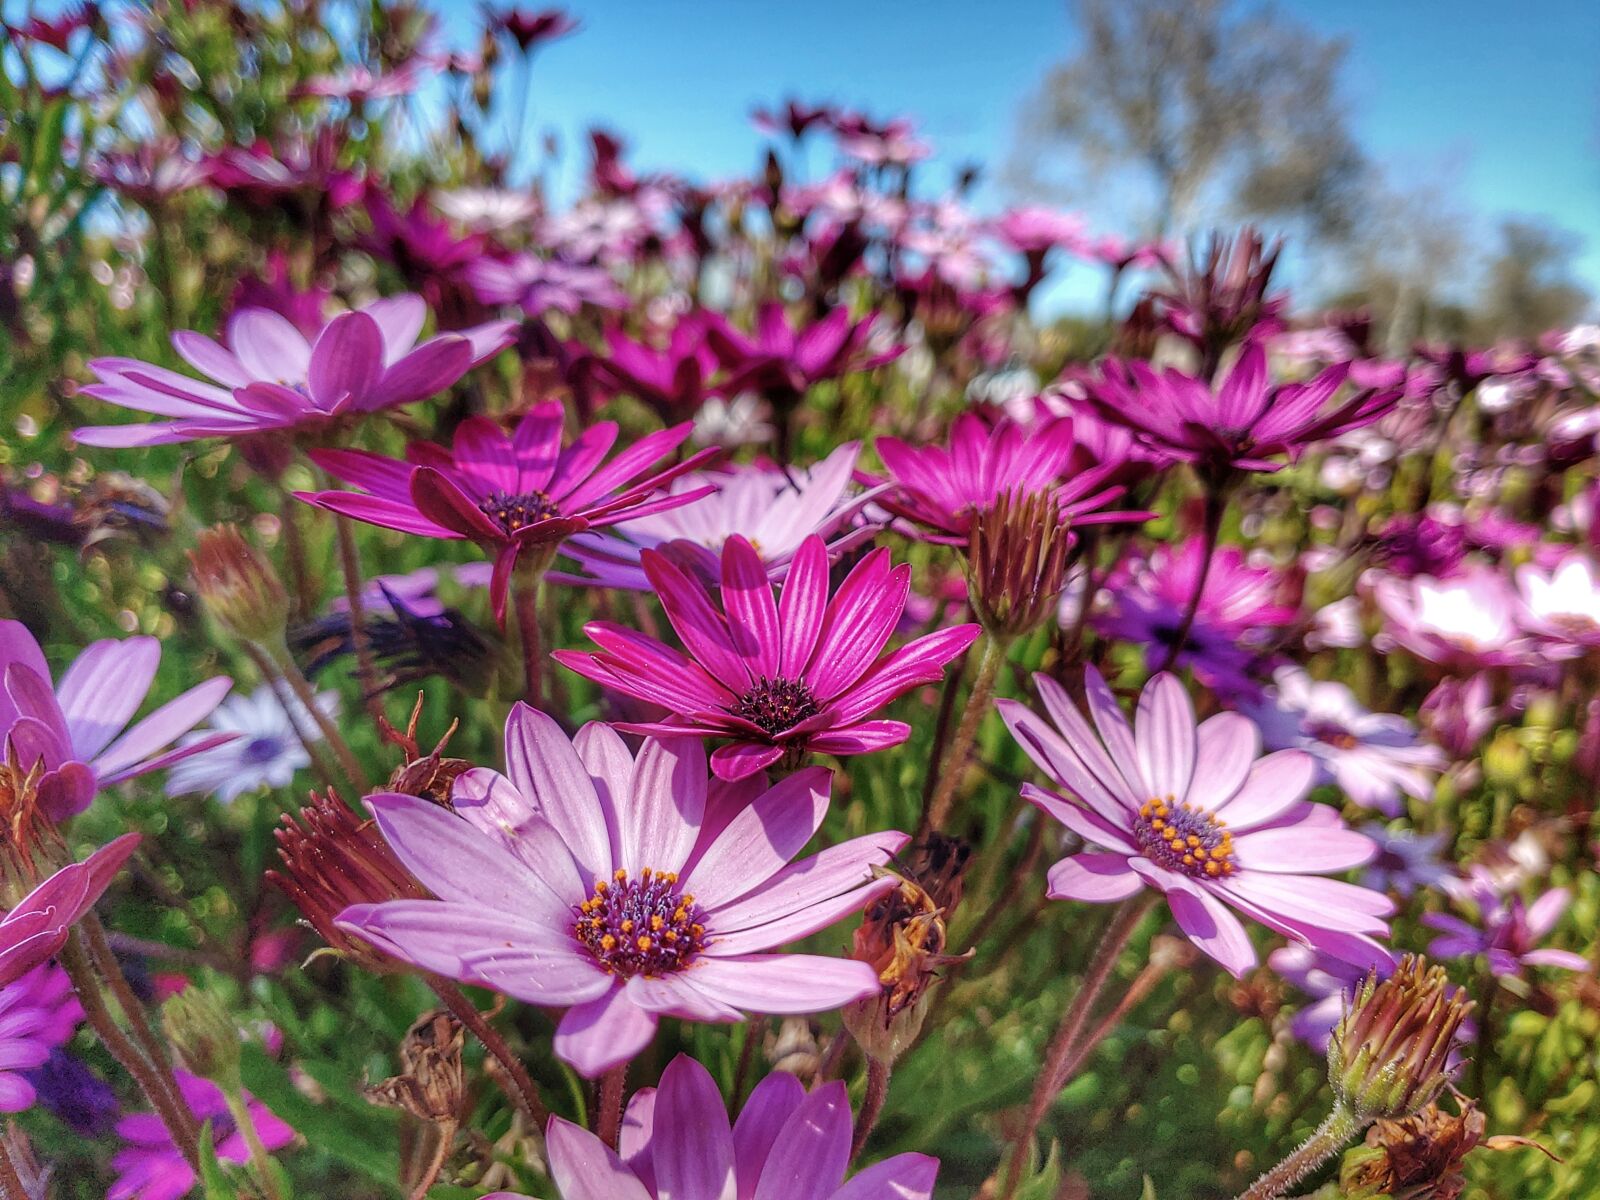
{"x":1203,"y":104}
{"x":1528,"y":287}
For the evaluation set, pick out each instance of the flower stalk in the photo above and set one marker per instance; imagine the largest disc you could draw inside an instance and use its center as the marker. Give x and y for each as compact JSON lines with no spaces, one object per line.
{"x":954,"y":766}
{"x":1330,"y":1137}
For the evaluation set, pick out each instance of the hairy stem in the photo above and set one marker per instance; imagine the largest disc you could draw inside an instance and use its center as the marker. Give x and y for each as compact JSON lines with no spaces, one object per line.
{"x":522,"y":1091}
{"x":11,"y":1187}
{"x":1216,"y":505}
{"x":1052,"y":1077}
{"x":979,"y":701}
{"x":307,"y":696}
{"x":1330,"y":1137}
{"x":166,"y":1101}
{"x":608,"y":1115}
{"x":366,"y":669}
{"x":260,"y":1160}
{"x":871,"y":1105}
{"x":444,"y":1136}
{"x":285,"y":694}
{"x":525,"y":596}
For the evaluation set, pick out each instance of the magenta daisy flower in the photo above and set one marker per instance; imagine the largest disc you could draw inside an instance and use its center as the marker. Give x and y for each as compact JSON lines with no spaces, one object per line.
{"x":510,"y":494}
{"x":672,"y":380}
{"x":151,"y":1167}
{"x":779,"y":678}
{"x":37,"y":926}
{"x":678,"y":1143}
{"x":1506,"y":930}
{"x":623,"y":888}
{"x":1192,"y":812}
{"x":940,"y":490}
{"x":69,"y":731}
{"x":270,"y":378}
{"x":38,"y":1013}
{"x":782,"y":360}
{"x":1242,"y":424}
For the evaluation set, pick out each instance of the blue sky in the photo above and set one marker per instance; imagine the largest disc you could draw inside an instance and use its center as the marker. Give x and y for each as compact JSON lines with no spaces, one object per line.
{"x":1501,"y":101}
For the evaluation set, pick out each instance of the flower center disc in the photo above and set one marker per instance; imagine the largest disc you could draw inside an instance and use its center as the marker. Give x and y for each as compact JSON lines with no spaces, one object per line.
{"x":642,"y":926}
{"x":515,"y":512}
{"x":1184,"y":839}
{"x":1331,"y":734}
{"x":776,"y":705}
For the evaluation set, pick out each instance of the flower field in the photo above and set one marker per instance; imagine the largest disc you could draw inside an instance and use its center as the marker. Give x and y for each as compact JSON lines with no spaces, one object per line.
{"x":700,"y":689}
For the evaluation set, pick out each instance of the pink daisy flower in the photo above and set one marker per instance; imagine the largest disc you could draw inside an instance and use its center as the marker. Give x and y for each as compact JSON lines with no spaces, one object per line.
{"x":940,"y":490}
{"x":774,"y":510}
{"x":510,"y":494}
{"x":1505,"y":930}
{"x":38,"y":1013}
{"x":270,"y":378}
{"x":779,"y":678}
{"x":1464,"y":623}
{"x":623,"y":888}
{"x":677,"y":1142}
{"x":37,"y":926}
{"x":1194,"y":813}
{"x":1241,"y":424}
{"x":69,"y":730}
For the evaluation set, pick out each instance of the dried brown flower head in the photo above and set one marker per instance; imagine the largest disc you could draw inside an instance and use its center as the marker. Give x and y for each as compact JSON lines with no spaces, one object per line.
{"x":431,"y":775}
{"x":431,"y":1085}
{"x":1420,"y":1157}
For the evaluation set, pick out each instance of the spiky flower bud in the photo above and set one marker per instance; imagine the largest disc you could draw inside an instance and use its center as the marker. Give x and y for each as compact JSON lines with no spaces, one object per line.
{"x":904,"y":935}
{"x":1390,"y":1054}
{"x":333,"y":859}
{"x":204,"y":1036}
{"x":432,"y":1084}
{"x":239,"y":586}
{"x":1016,"y":563}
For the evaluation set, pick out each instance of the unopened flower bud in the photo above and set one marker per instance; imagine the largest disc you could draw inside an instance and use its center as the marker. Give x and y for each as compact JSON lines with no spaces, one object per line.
{"x":1016,"y":563}
{"x":204,"y":1036}
{"x":1390,"y":1054}
{"x":904,"y":935}
{"x":431,"y":1085}
{"x":333,"y":859}
{"x":239,"y":586}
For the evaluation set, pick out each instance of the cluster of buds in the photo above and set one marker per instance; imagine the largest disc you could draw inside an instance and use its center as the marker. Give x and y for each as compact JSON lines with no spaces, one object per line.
{"x":333,"y":859}
{"x":905,"y":934}
{"x":1016,"y":563}
{"x":1390,"y":1055}
{"x":1420,"y":1157}
{"x":1221,"y":298}
{"x":239,"y":586}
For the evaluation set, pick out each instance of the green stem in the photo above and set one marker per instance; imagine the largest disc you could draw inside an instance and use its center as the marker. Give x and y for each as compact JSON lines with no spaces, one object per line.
{"x":260,"y":1160}
{"x":1216,"y":505}
{"x":518,"y":1083}
{"x":979,"y":701}
{"x":1052,"y":1078}
{"x":1330,"y":1137}
{"x":307,"y":696}
{"x":366,"y":669}
{"x":525,"y":596}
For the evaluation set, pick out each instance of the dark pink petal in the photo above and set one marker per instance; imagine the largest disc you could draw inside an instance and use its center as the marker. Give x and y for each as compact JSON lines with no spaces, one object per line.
{"x":760,"y":841}
{"x":103,"y":688}
{"x":905,"y":1177}
{"x":346,"y":362}
{"x":801,"y":607}
{"x":545,"y":768}
{"x":859,"y":621}
{"x":584,"y":1167}
{"x":692,"y":1152}
{"x":752,"y":612}
{"x":483,"y":454}
{"x":696,"y":620}
{"x":863,"y":738}
{"x":918,"y":662}
{"x":376,"y":473}
{"x":375,"y":510}
{"x":581,"y":458}
{"x":603,"y":1033}
{"x":631,"y":462}
{"x":165,"y":725}
{"x":28,"y":693}
{"x":537,"y":447}
{"x":18,"y":646}
{"x":742,"y":760}
{"x":444,"y":503}
{"x":670,"y":669}
{"x":809,"y":1158}
{"x":1093,"y":877}
{"x":780,"y":984}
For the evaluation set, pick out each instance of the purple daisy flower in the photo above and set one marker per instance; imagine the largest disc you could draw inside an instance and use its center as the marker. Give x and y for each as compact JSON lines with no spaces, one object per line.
{"x":510,"y":494}
{"x":38,"y":1012}
{"x":1506,"y":930}
{"x":1373,"y":758}
{"x":1406,"y":861}
{"x":623,"y":888}
{"x":151,"y":1167}
{"x":37,"y":926}
{"x":1242,"y":424}
{"x":270,"y":378}
{"x":677,"y":1144}
{"x":69,"y":730}
{"x":1194,"y":813}
{"x":1233,"y":622}
{"x":779,"y":678}
{"x":1463,"y":623}
{"x":774,"y":510}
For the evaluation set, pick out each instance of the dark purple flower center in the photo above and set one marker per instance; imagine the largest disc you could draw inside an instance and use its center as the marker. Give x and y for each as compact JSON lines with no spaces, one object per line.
{"x":1331,"y":733}
{"x":1185,"y":839}
{"x":776,"y":705}
{"x":515,"y":512}
{"x":262,"y":749}
{"x":642,"y":926}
